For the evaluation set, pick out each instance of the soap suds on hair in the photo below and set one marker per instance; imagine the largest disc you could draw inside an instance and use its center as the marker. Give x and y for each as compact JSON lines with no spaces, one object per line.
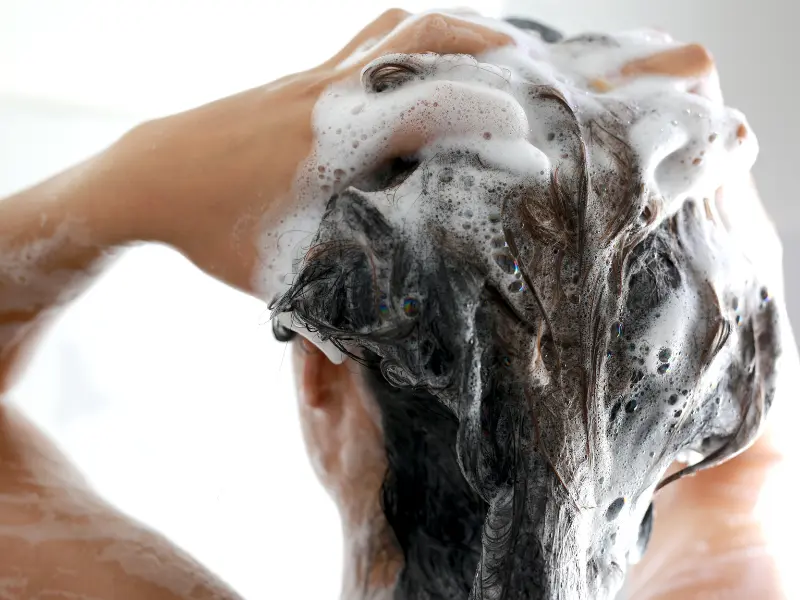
{"x":686,"y":144}
{"x":550,"y":269}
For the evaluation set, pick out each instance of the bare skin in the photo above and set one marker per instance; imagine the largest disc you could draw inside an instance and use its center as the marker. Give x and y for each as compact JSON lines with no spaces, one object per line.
{"x":205,"y":181}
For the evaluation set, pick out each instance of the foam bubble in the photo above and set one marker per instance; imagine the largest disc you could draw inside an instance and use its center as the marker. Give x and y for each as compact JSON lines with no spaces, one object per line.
{"x":514,"y":111}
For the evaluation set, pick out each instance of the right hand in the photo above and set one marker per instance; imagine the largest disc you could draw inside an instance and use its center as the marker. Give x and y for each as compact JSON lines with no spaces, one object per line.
{"x":208,"y":181}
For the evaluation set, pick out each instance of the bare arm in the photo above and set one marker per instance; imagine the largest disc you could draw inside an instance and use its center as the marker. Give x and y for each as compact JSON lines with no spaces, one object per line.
{"x":207,"y":182}
{"x":51,"y":242}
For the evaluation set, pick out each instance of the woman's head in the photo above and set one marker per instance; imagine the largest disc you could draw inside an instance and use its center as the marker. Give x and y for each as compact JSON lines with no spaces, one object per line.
{"x":545,"y":324}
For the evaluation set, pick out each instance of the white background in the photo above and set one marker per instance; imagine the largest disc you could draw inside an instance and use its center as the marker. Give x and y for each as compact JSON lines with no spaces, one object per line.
{"x":166,"y":387}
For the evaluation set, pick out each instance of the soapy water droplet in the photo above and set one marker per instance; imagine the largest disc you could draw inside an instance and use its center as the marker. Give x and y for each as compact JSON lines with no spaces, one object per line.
{"x":411,"y":306}
{"x":498,"y":242}
{"x":664,"y":355}
{"x":764,"y":293}
{"x":506,"y":262}
{"x":505,"y":361}
{"x":383,"y":306}
{"x":631,"y":406}
{"x":616,"y":330}
{"x":516,"y":286}
{"x":615,"y":508}
{"x":738,"y":319}
{"x":614,"y":411}
{"x":662,"y":369}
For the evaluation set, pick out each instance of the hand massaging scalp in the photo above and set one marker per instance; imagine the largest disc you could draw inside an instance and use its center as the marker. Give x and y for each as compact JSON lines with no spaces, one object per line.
{"x":575,"y":188}
{"x":688,"y":145}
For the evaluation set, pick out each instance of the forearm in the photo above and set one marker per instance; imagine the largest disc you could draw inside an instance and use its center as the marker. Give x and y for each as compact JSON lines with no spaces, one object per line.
{"x":210,"y":182}
{"x":54,"y":239}
{"x":201,"y":181}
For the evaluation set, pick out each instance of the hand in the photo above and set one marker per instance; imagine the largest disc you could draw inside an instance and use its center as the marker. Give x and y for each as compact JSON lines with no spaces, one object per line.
{"x":714,"y":534}
{"x":209,"y":181}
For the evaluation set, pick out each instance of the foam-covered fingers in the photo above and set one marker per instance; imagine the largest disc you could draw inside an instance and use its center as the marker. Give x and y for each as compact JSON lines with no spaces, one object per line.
{"x":745,"y":218}
{"x":689,"y":61}
{"x":692,"y":63}
{"x":459,"y":112}
{"x":382,"y":126}
{"x":372,"y":33}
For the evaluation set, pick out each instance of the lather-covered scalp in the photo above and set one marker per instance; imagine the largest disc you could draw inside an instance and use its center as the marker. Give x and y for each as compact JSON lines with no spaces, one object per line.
{"x":548,"y":319}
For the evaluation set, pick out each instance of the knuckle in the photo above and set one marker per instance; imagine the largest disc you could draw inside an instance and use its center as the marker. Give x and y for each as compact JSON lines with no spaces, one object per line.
{"x":433,"y":22}
{"x":394,"y":16}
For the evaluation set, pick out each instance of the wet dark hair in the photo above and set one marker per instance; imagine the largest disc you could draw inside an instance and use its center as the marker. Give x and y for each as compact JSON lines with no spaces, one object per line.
{"x":548,"y":34}
{"x":472,"y":439}
{"x":435,"y":516}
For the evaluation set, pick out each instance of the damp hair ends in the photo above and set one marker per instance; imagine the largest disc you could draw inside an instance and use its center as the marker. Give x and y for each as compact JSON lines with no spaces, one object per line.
{"x":546,"y":323}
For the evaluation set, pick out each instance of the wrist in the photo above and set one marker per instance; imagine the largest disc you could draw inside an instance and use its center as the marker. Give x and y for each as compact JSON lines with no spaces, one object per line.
{"x":72,"y":205}
{"x":196,"y":173}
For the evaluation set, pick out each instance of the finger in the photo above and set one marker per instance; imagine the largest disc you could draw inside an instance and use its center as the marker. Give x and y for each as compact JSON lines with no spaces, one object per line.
{"x":385,"y":126}
{"x":455,"y":111}
{"x":440,"y":34}
{"x":746,"y":220}
{"x":376,"y":30}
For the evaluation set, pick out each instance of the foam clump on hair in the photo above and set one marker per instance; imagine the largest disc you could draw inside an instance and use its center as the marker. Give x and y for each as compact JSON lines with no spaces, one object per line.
{"x":552,"y":268}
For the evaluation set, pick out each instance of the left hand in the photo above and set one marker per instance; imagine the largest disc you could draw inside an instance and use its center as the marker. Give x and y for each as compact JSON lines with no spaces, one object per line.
{"x":729,"y":532}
